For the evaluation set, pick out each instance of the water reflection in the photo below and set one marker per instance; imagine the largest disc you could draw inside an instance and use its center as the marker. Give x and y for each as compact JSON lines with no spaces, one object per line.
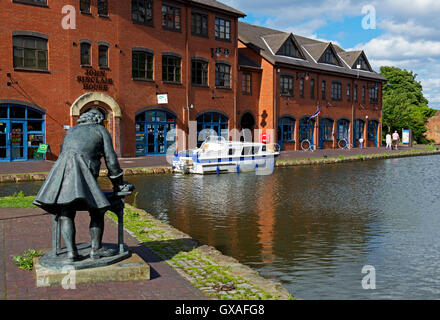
{"x":314,"y":228}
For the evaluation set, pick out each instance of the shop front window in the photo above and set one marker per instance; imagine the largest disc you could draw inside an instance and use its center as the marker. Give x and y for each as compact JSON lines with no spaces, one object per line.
{"x":155,"y":132}
{"x":21,"y":133}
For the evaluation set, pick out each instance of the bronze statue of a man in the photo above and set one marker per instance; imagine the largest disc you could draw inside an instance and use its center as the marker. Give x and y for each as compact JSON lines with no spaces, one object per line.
{"x":72,"y":183}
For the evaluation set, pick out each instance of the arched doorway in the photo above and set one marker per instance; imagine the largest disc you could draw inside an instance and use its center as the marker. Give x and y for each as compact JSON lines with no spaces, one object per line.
{"x":358,"y":131}
{"x":247,"y":125}
{"x":21,"y":132}
{"x":286,"y":131}
{"x":325,"y":131}
{"x":209,"y":123}
{"x":307,"y":130}
{"x":108,"y":106}
{"x":373,"y":126}
{"x":155,"y":132}
{"x":342,"y":127}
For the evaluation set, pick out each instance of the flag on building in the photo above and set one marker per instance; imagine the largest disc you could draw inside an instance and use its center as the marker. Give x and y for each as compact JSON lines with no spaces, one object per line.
{"x":317,"y":113}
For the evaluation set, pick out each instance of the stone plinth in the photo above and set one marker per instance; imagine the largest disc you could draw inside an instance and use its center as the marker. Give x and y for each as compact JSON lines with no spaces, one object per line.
{"x":60,"y":262}
{"x":130,"y":269}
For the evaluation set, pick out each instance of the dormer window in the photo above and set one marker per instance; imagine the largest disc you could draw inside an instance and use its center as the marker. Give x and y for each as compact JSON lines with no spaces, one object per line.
{"x":289,"y":49}
{"x":329,"y":57}
{"x":362,"y":64}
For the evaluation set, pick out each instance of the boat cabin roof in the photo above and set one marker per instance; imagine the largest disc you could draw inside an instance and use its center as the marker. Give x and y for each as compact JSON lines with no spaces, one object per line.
{"x":213,"y":142}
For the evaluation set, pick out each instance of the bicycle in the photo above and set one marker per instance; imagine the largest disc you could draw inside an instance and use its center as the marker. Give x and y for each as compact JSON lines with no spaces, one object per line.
{"x":306,"y":145}
{"x":343,"y":144}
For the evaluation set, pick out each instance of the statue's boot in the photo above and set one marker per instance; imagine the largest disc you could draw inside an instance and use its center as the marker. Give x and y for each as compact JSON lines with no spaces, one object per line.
{"x":96,"y":233}
{"x":68,"y":232}
{"x":102,"y":252}
{"x":72,"y":256}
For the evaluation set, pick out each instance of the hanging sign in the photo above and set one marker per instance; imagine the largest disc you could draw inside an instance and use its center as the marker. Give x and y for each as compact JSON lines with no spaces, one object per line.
{"x":162,"y":98}
{"x":42,"y":148}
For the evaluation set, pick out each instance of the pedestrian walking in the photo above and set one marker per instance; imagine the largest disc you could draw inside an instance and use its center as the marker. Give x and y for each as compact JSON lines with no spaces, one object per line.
{"x":396,"y":139}
{"x":361,"y":143}
{"x":389,"y":141}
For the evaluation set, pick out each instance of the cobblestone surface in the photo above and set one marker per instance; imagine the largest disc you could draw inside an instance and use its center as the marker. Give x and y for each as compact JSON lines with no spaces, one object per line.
{"x":21,"y":229}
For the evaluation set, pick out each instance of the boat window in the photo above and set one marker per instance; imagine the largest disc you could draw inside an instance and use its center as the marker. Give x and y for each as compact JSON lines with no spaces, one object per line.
{"x":256,"y":149}
{"x":246,"y":151}
{"x":231,"y":152}
{"x":263,"y":148}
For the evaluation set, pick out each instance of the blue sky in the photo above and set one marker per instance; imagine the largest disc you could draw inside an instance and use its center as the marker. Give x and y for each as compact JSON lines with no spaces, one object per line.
{"x":406,"y":34}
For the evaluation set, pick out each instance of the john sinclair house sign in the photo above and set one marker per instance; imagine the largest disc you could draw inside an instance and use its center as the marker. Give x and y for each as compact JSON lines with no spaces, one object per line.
{"x":95,"y":80}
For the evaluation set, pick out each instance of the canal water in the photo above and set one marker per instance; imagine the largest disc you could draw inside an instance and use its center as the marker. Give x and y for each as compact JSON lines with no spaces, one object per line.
{"x":313,"y":228}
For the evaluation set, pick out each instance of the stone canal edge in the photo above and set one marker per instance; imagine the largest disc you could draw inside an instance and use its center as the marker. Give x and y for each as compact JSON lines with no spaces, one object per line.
{"x":216,"y":275}
{"x":27,"y":177}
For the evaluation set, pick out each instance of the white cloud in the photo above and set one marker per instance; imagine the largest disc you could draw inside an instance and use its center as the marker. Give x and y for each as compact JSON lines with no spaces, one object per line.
{"x":409,"y":29}
{"x":395,"y":47}
{"x":431,"y":83}
{"x":409,"y":8}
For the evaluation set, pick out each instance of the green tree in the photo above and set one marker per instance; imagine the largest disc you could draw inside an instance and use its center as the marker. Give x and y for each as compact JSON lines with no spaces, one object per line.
{"x":404,"y":105}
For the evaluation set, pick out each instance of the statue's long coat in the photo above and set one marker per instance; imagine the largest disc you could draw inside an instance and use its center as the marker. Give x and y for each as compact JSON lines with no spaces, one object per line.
{"x":73,"y":176}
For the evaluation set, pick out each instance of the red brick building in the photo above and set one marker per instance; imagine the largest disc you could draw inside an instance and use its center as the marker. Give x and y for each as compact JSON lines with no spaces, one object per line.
{"x":286,"y":78}
{"x":119,"y":57}
{"x":154,"y":66}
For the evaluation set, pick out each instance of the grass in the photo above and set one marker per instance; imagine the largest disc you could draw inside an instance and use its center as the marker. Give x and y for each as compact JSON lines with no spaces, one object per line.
{"x":17,"y":200}
{"x":25,"y":261}
{"x":135,"y":200}
{"x":202,"y":271}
